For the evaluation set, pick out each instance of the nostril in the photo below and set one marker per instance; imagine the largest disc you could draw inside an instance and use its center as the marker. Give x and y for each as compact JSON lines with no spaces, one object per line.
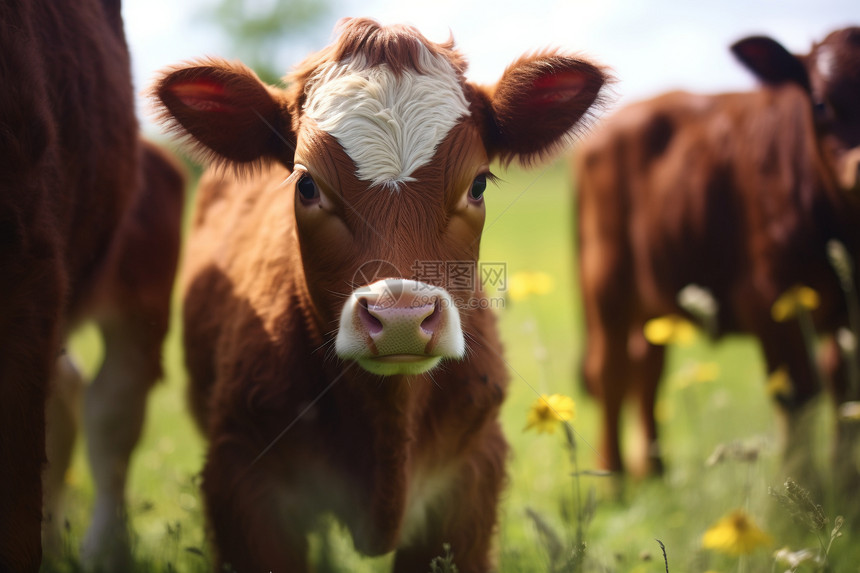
{"x":370,"y":322}
{"x":431,"y":321}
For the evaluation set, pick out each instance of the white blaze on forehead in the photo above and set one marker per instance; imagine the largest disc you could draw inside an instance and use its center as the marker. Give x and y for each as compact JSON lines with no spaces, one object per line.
{"x":389,"y":124}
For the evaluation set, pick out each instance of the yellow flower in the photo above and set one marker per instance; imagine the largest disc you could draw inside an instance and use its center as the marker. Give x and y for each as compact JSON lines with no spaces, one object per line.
{"x":548,"y":411}
{"x":788,"y":303}
{"x":735,"y":534}
{"x":523,"y":284}
{"x":779,"y":383}
{"x":670,"y":329}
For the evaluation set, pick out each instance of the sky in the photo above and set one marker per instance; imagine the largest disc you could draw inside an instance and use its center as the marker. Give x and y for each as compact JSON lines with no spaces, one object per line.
{"x":651,"y":45}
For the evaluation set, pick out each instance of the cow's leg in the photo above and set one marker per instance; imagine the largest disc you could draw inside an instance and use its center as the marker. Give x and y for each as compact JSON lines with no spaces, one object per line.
{"x":846,"y":447}
{"x":22,"y":453}
{"x":607,"y":370}
{"x":784,"y":348}
{"x":114,"y":409}
{"x":608,"y":299}
{"x":466,"y":518}
{"x":134,"y":292}
{"x":31,"y":288}
{"x":62,"y":414}
{"x":22,"y":445}
{"x":256,"y":524}
{"x":646,"y":370}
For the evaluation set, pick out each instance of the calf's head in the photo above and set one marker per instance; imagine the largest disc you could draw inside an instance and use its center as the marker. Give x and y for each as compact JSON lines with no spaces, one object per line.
{"x":830,"y":75}
{"x":388,"y":148}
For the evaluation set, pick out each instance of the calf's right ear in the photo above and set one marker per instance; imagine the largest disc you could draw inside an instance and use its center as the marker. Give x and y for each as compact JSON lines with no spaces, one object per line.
{"x":539,"y":105}
{"x":226,"y":112}
{"x":770,"y":62}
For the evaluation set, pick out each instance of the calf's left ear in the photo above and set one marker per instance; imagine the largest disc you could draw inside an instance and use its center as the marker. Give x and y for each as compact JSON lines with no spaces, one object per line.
{"x":538,"y":105}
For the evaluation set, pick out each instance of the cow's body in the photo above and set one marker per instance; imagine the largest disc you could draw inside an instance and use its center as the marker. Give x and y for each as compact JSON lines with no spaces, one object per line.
{"x":71,"y":171}
{"x":312,"y":341}
{"x":737,"y":193}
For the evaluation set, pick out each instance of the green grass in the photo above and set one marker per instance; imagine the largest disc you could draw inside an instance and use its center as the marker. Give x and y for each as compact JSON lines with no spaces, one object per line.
{"x":529,"y":228}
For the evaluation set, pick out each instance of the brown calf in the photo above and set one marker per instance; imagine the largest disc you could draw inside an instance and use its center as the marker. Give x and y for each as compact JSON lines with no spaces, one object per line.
{"x":77,"y":236}
{"x":329,"y":372}
{"x":737,"y":193}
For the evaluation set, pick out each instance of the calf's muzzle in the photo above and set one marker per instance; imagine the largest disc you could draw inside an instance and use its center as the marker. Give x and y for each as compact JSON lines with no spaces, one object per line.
{"x":399,"y":326}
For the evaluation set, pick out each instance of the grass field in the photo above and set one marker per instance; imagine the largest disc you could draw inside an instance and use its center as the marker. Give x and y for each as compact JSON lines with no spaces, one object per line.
{"x":529,"y":228}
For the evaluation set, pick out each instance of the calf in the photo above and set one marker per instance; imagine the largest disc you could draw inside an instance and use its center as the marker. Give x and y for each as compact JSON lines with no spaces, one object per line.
{"x":329,"y":373}
{"x":738,"y":193}
{"x":80,"y":201}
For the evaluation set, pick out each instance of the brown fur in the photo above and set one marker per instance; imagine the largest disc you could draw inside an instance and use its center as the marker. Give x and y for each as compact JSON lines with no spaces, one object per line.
{"x":293,"y":431}
{"x":69,"y":172}
{"x":736,"y":193}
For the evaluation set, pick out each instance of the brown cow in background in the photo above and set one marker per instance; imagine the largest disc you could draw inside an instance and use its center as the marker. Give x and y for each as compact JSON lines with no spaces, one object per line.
{"x":329,"y":372}
{"x":738,"y":193}
{"x":89,"y":228}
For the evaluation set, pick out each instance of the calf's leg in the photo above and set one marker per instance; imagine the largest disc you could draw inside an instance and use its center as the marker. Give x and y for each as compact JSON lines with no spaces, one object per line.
{"x":256,"y":524}
{"x":466,"y":519}
{"x":62,"y":414}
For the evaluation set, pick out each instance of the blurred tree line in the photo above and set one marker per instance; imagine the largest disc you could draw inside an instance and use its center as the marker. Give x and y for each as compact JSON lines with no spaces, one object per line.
{"x":260,"y":32}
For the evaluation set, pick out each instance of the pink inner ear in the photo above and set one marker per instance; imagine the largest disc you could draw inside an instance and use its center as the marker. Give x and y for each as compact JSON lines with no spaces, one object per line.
{"x":557,"y":88}
{"x":203,"y":95}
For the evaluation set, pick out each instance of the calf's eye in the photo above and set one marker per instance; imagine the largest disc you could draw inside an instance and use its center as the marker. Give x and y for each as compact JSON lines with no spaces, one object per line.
{"x":307,"y":188}
{"x":823,"y":110}
{"x":819,"y":106}
{"x":479,"y":185}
